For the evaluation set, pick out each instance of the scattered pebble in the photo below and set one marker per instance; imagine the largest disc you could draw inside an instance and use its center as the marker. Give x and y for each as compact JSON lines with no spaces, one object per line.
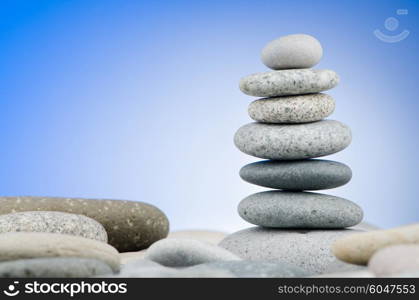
{"x":131,"y":225}
{"x":54,"y":267}
{"x":53,"y":222}
{"x":358,"y":248}
{"x":25,"y":245}
{"x":186,"y":252}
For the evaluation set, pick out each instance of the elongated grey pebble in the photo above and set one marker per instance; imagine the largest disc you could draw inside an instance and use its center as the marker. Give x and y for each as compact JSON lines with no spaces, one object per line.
{"x":292,"y":109}
{"x":307,"y":174}
{"x":53,"y":222}
{"x":290,"y":142}
{"x":288,"y":82}
{"x":54,"y":267}
{"x":280,"y":209}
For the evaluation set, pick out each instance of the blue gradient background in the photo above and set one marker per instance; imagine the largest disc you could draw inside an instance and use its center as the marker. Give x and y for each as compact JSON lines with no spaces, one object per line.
{"x":140,"y":100}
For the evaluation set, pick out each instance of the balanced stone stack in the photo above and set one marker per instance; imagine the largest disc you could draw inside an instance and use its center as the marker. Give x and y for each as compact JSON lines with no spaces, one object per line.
{"x":289,"y":131}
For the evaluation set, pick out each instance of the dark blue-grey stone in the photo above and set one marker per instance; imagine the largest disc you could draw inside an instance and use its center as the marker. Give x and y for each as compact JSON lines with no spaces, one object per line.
{"x":310,"y":174}
{"x":280,"y":209}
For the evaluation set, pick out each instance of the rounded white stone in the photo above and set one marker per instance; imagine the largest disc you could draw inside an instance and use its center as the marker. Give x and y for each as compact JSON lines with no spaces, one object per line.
{"x":293,"y":51}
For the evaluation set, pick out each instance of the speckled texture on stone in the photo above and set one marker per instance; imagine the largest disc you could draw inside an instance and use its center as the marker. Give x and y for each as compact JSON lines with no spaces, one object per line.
{"x":288,"y":82}
{"x":359,"y":248}
{"x":24,"y":245}
{"x":281,"y":209}
{"x":186,"y":252}
{"x":53,"y":222}
{"x":70,"y":267}
{"x":307,"y":249}
{"x":150,"y":269}
{"x":395,"y":260}
{"x":131,"y":225}
{"x":292,"y":52}
{"x":290,"y":142}
{"x":292,"y":109}
{"x":257,"y":269}
{"x":309,"y":174}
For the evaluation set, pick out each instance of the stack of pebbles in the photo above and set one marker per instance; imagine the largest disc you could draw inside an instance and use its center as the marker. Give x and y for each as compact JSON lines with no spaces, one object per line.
{"x":290,"y":131}
{"x":73,"y":237}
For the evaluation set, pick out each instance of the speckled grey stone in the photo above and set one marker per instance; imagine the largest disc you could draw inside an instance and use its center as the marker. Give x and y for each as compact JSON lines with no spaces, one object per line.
{"x":288,"y":82}
{"x":53,"y":222}
{"x":281,"y":209}
{"x":292,"y":51}
{"x":54,"y":268}
{"x":393,"y":260}
{"x":186,"y":252}
{"x":150,"y":269}
{"x":307,"y":249}
{"x":292,"y":109}
{"x":257,"y":269}
{"x":308,"y":174}
{"x":131,"y":225}
{"x":289,"y":142}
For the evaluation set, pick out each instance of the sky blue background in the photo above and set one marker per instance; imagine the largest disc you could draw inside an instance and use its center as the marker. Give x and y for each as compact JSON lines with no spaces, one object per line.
{"x":140,"y":100}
